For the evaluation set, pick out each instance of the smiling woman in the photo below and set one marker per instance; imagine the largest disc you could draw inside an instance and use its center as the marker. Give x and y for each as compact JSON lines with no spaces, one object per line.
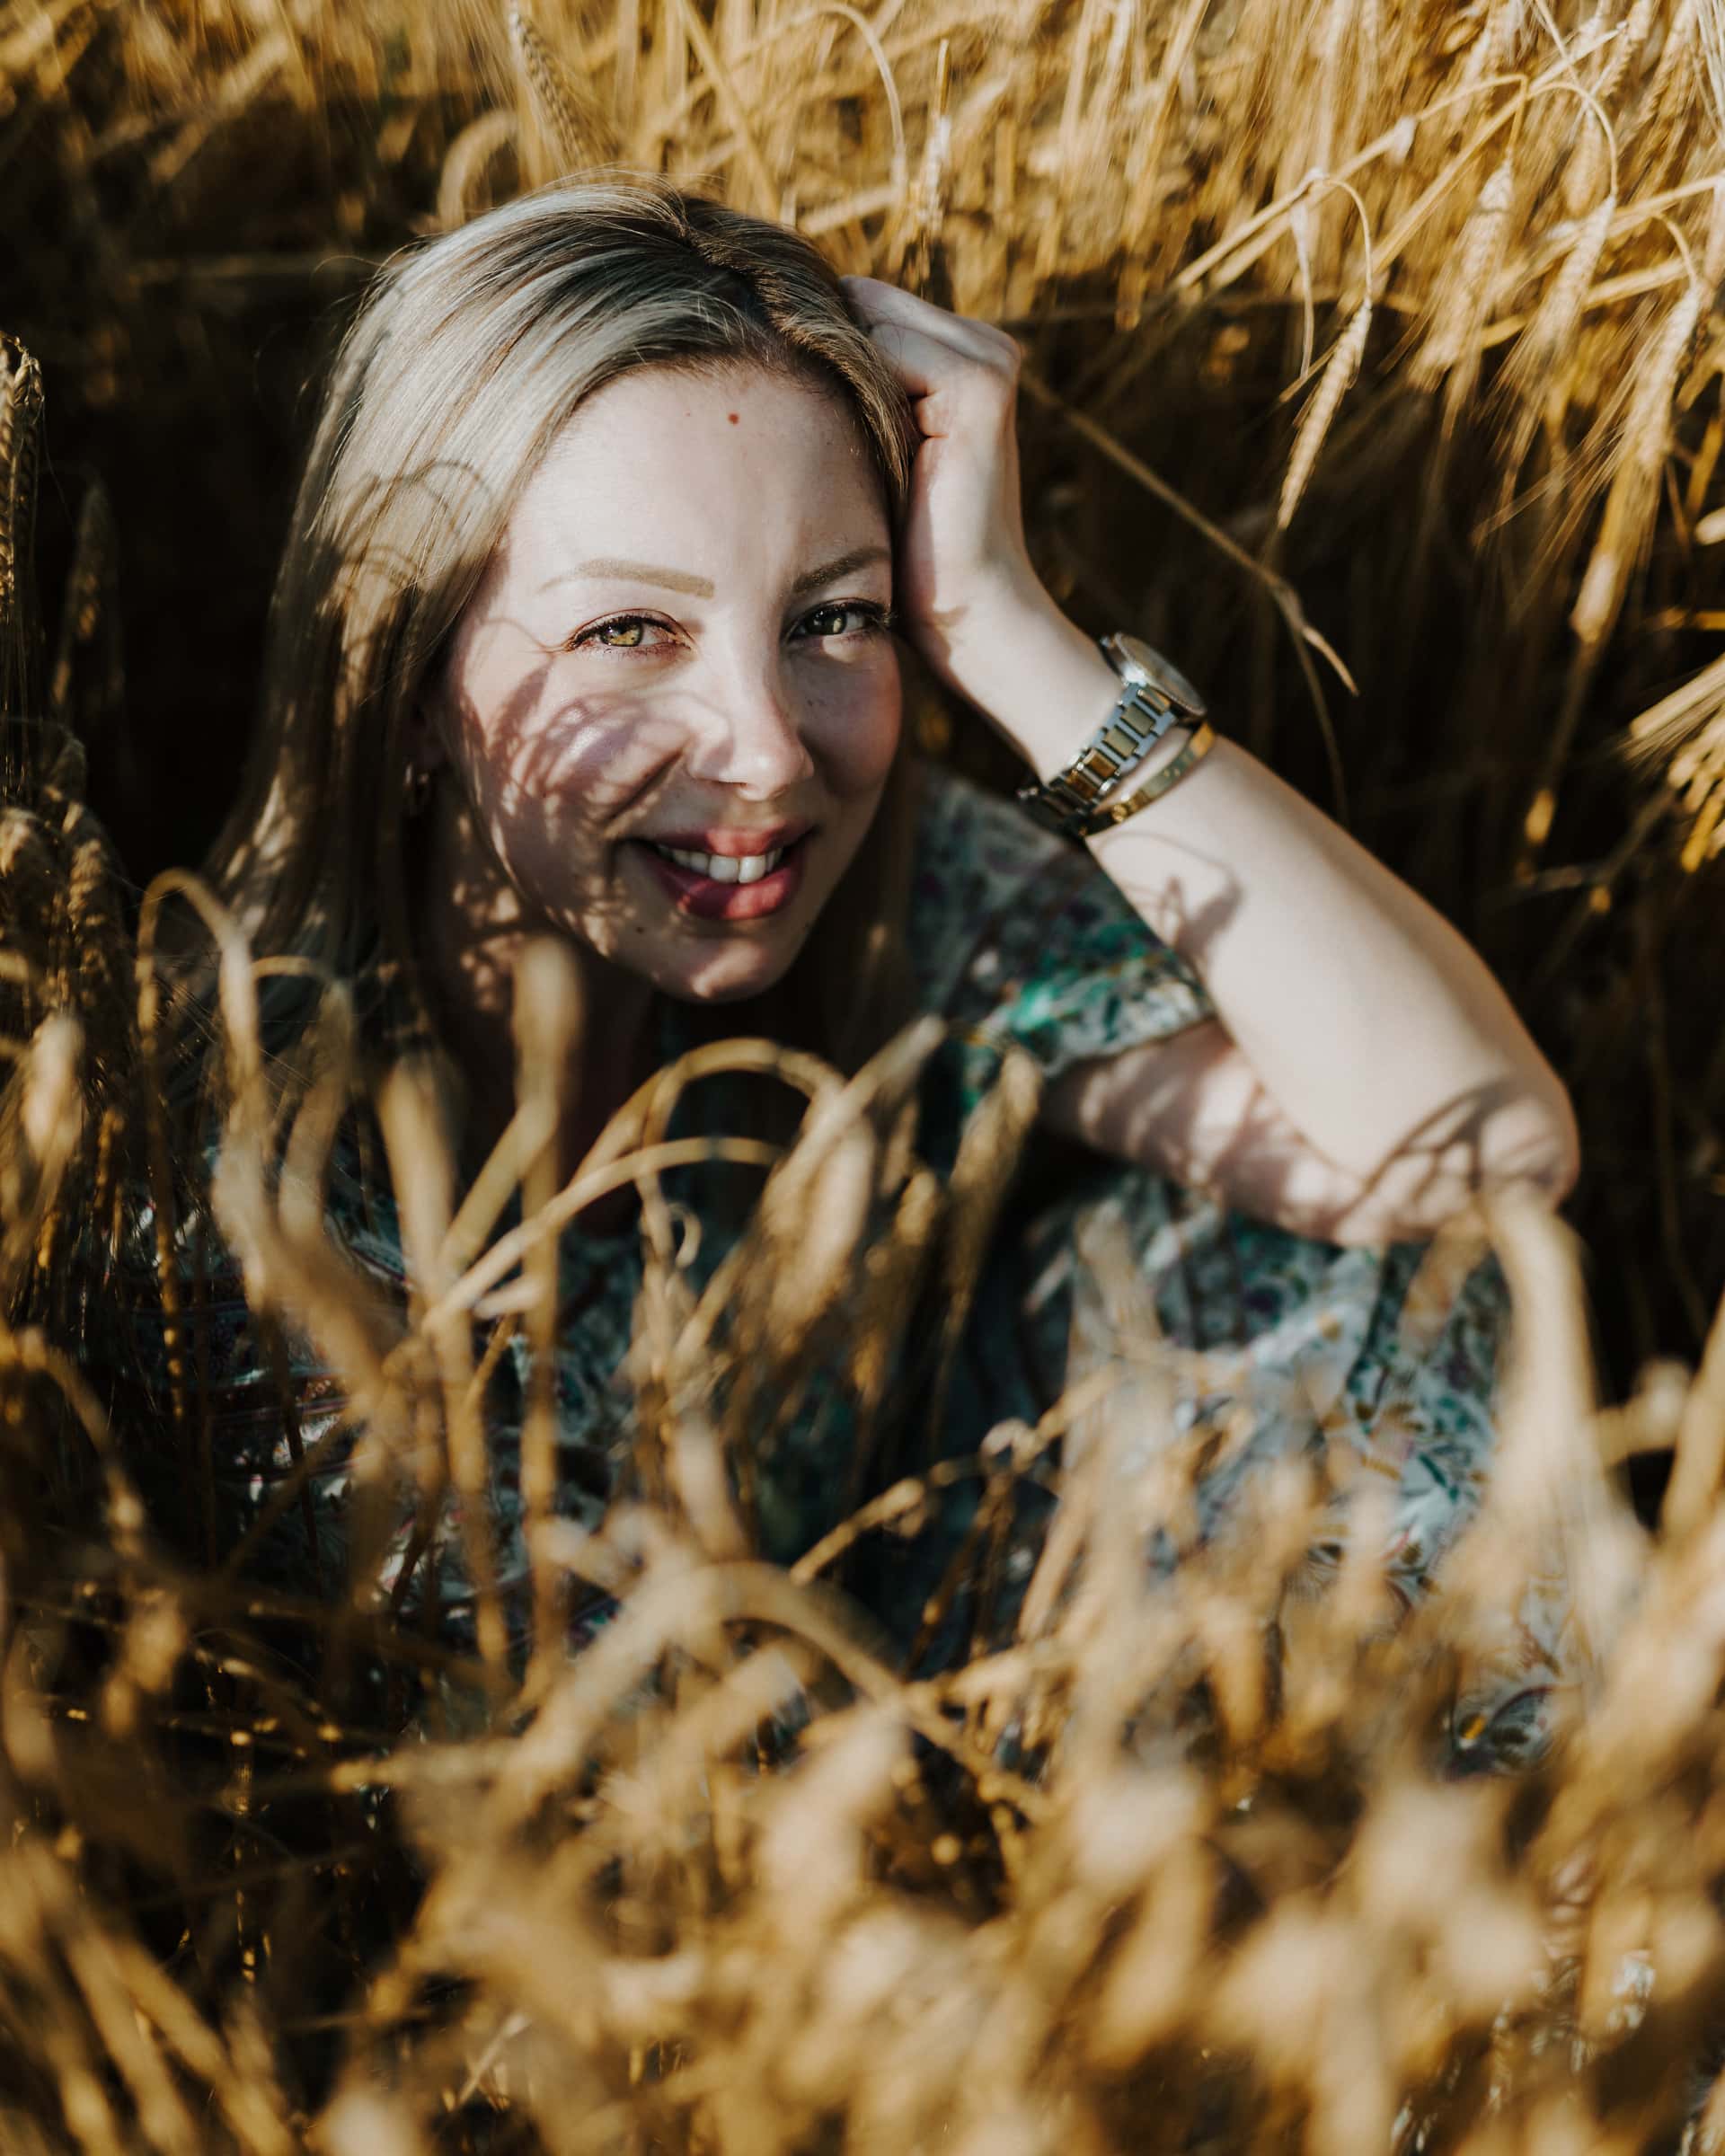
{"x":585,"y":633}
{"x":575,"y":461}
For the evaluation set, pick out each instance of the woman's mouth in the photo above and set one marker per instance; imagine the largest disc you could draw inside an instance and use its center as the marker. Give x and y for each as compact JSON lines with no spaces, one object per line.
{"x":728,"y":886}
{"x":723,"y":867}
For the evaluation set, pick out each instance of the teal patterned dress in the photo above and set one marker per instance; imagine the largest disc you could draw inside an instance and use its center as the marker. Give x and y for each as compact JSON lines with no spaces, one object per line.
{"x":1018,"y":939}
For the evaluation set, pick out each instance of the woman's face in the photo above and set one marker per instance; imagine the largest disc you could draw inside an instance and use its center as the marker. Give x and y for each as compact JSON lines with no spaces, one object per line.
{"x":671,"y":705}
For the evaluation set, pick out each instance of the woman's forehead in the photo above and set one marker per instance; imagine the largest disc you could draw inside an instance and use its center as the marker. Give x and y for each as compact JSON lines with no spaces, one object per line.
{"x":703,"y":473}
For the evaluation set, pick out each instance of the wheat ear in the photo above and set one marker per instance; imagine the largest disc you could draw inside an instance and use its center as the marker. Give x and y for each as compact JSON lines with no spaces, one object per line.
{"x":20,"y":412}
{"x":1633,"y":501}
{"x":1553,"y":324}
{"x":571,"y":127}
{"x":1337,"y":378}
{"x":1530,"y":375}
{"x":1454,"y":339}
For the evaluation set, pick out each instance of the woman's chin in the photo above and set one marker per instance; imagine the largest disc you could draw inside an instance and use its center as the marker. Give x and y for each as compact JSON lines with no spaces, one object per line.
{"x":730,"y":976}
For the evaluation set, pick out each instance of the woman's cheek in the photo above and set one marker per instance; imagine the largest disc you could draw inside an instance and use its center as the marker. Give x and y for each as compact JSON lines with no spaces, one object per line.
{"x":575,"y":760}
{"x":858,"y":730}
{"x":607,"y":750}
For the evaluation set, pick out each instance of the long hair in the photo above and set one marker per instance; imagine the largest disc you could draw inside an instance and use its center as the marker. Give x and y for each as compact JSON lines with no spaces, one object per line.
{"x":466,"y":360}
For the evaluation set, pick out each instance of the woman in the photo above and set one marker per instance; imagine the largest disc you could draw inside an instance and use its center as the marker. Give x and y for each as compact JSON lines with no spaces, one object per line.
{"x":586,"y":630}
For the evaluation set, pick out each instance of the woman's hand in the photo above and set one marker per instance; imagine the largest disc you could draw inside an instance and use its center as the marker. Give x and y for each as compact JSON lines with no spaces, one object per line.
{"x":964,"y":575}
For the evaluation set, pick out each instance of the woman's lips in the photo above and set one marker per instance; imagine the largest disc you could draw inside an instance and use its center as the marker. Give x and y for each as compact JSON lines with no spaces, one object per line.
{"x":708,"y":899}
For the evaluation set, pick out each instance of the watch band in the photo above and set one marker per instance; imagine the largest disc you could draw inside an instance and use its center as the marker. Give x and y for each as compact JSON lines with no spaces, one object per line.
{"x":1153,"y":697}
{"x":1159,"y":782}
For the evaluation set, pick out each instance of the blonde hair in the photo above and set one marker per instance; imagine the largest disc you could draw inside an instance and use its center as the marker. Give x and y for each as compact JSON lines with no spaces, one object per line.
{"x":468,"y":355}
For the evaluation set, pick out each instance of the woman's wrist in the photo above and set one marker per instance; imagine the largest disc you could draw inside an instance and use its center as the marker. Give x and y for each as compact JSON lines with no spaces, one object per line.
{"x":1035,"y":674}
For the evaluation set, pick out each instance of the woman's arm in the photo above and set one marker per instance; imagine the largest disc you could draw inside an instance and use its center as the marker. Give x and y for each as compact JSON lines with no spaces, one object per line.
{"x":1368,"y":1074}
{"x":1352,"y":1016}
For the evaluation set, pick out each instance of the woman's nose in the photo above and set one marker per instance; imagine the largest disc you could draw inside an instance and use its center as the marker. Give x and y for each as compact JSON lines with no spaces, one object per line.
{"x":748,"y":735}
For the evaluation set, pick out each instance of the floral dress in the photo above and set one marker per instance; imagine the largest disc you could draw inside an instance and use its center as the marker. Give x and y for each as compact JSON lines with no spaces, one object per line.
{"x":1018,"y":939}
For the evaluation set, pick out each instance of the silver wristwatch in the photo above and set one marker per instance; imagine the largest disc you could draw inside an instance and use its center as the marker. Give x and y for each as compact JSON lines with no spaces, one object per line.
{"x":1154,"y":696}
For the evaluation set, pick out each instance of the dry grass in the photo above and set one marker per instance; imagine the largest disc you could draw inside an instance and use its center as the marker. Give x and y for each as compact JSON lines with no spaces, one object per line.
{"x":1409,"y":314}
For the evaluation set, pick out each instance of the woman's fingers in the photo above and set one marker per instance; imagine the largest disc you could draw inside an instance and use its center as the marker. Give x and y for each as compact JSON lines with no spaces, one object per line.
{"x":961,"y":556}
{"x":925,"y":365}
{"x":951,"y":387}
{"x":880,"y":304}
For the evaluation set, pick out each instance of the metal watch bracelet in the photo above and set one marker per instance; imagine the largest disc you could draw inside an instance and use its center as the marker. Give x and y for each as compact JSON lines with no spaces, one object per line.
{"x":1160,"y":782}
{"x":1154,"y":696}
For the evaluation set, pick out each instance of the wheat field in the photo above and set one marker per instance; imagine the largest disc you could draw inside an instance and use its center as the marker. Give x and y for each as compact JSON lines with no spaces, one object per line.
{"x":1373,"y":368}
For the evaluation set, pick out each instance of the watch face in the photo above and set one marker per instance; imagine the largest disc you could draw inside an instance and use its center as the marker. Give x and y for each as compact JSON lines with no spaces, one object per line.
{"x":1140,"y":661}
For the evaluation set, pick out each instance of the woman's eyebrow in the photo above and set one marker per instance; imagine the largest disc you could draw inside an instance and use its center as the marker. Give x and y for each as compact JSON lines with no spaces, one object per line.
{"x":701,"y":587}
{"x":842,"y":565}
{"x":645,"y":572}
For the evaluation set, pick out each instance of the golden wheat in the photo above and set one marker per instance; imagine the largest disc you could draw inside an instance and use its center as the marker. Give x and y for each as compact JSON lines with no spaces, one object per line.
{"x":1168,"y":1867}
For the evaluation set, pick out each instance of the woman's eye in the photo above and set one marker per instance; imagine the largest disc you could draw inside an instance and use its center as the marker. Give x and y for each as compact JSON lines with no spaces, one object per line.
{"x":844,"y":617}
{"x":622,"y":632}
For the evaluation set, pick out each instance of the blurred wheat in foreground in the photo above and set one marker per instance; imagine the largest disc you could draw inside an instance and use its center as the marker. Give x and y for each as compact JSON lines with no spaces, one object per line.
{"x":1175,"y":1868}
{"x":1411,"y":313}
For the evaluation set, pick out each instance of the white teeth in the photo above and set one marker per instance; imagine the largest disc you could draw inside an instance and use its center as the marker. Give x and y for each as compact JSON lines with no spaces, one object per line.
{"x":724,"y":867}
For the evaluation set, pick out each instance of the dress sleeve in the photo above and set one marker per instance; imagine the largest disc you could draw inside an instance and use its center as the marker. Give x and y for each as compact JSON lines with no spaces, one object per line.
{"x":1020,"y":940}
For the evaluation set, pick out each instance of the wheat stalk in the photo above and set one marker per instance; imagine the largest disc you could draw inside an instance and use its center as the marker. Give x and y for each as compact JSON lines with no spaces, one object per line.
{"x":1533,"y":374}
{"x":20,"y":410}
{"x":1340,"y":371}
{"x":469,"y":156}
{"x":572,"y":128}
{"x":1634,"y":487}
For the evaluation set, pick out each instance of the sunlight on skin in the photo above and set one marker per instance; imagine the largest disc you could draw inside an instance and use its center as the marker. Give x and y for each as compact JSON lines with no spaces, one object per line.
{"x":683,"y":631}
